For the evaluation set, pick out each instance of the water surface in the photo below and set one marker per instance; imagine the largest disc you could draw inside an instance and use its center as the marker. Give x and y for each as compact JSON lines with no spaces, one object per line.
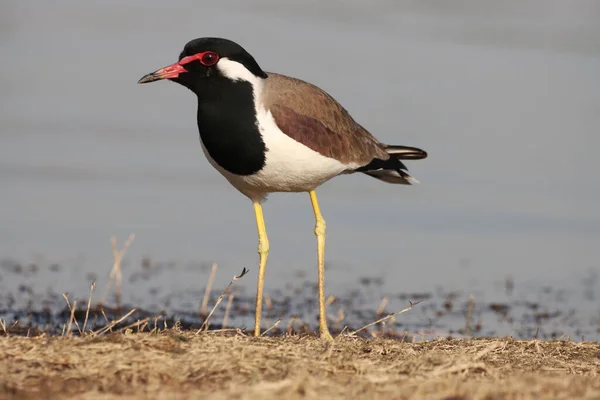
{"x":504,"y":97}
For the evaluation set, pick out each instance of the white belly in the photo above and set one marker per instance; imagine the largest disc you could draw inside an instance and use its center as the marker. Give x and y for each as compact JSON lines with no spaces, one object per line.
{"x":289,"y":166}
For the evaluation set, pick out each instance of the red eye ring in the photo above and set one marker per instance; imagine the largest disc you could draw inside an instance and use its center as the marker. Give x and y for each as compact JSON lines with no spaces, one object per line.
{"x":208,"y":58}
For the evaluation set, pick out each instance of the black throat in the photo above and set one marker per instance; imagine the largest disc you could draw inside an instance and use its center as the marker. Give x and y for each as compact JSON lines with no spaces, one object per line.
{"x":228,"y":125}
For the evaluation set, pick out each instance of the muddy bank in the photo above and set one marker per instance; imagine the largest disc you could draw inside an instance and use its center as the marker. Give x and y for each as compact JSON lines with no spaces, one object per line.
{"x":33,"y":300}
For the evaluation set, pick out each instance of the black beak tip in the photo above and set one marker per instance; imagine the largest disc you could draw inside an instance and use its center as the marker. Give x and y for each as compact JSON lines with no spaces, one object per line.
{"x":148,"y":78}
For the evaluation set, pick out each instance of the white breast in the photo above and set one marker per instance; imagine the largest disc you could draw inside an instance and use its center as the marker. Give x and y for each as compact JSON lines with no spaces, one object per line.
{"x":289,"y":166}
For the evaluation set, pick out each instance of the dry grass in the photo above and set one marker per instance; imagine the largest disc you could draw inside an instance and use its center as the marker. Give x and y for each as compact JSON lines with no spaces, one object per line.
{"x":124,"y":360}
{"x":174,"y":364}
{"x":116,"y":274}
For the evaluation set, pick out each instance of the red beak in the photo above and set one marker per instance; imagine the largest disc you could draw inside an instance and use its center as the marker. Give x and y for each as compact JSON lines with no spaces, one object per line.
{"x":170,"y":72}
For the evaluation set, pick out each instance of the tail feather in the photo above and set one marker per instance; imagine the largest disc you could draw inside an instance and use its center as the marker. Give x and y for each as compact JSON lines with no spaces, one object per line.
{"x":393,"y":170}
{"x":406,"y":153}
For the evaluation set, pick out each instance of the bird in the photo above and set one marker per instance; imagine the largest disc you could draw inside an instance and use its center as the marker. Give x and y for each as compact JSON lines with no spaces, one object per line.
{"x":266,"y":133}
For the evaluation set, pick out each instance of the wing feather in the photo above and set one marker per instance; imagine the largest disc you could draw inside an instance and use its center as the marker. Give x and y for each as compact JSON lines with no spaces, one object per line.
{"x":312,"y":117}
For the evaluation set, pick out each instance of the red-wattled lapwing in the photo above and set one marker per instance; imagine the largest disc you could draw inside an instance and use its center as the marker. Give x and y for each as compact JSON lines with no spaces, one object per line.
{"x":267,"y":132}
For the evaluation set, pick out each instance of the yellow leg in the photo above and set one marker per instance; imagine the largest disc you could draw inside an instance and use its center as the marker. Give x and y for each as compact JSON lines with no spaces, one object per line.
{"x":263,"y":251}
{"x":320,"y":232}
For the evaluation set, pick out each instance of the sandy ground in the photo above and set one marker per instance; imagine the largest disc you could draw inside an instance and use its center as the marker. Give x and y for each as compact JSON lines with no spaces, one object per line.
{"x":173,"y":364}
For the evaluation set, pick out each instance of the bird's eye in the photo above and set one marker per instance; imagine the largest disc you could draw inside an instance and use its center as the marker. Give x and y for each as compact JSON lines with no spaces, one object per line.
{"x":209,"y":58}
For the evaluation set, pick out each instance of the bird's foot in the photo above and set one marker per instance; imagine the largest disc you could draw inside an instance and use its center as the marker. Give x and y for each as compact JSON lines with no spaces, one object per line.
{"x":325,"y":336}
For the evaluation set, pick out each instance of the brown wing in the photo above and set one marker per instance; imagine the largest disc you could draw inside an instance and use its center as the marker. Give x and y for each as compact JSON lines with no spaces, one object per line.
{"x":312,"y":117}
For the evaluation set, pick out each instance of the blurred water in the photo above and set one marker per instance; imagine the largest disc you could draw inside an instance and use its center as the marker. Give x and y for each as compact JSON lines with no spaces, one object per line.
{"x":504,"y":96}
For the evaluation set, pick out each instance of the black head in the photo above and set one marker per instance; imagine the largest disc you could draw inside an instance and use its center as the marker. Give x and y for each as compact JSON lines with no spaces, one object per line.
{"x":209,"y":58}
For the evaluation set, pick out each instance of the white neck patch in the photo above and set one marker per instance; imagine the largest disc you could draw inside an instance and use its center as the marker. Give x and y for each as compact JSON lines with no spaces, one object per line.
{"x":237,"y":72}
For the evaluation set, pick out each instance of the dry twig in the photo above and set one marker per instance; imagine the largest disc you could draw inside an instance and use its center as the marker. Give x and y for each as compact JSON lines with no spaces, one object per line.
{"x":384,"y":318}
{"x":211,"y":278}
{"x":72,"y":318}
{"x":102,"y":331}
{"x":271,"y":328}
{"x":115,"y":272}
{"x":89,"y":304}
{"x":235,"y":278}
{"x":227,"y":309}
